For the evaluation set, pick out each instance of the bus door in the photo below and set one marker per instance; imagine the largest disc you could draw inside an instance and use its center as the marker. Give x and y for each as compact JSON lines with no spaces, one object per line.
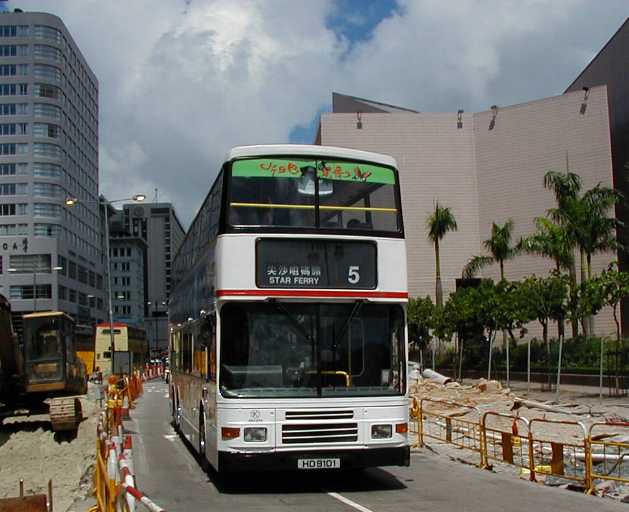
{"x":207,"y":338}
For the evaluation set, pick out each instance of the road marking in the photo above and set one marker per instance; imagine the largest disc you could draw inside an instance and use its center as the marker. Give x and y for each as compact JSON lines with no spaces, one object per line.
{"x":170,"y":437}
{"x":349,"y":502}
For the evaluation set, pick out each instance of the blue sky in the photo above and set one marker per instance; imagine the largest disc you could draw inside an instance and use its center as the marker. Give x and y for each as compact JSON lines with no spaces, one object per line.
{"x":354,"y":22}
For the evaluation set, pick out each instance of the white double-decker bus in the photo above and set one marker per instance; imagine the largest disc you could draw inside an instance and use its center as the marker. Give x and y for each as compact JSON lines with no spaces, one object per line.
{"x":288,"y":334}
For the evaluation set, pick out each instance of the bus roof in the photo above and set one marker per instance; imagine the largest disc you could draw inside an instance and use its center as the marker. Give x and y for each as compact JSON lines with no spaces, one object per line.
{"x":306,"y":150}
{"x":47,"y":314}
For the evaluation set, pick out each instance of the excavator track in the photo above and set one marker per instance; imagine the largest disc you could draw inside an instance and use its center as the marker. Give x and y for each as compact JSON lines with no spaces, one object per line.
{"x":65,"y":414}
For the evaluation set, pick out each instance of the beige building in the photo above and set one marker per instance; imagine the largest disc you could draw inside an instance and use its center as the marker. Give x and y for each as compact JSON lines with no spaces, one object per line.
{"x":486,"y":166}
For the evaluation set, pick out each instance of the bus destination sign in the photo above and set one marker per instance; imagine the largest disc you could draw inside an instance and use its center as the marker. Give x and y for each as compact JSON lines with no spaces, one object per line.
{"x":303,"y":263}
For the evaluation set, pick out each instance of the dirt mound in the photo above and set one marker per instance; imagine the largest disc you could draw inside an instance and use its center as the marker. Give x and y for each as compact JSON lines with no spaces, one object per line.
{"x":31,"y":451}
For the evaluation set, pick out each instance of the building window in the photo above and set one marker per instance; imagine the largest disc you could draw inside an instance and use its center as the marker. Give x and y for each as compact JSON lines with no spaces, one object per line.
{"x":47,"y":210}
{"x":62,"y":292}
{"x":41,"y":229}
{"x":46,"y":110}
{"x":72,"y":269}
{"x":13,"y":69}
{"x":13,"y":149}
{"x":12,"y":189}
{"x":62,"y":262}
{"x":48,"y":33}
{"x":29,"y":263}
{"x":13,"y":229}
{"x":46,"y":130}
{"x":7,"y":169}
{"x":47,"y":150}
{"x":8,"y":89}
{"x":82,"y":274}
{"x":45,"y":51}
{"x":10,"y":209}
{"x":72,"y":295}
{"x":44,"y":291}
{"x":14,"y":30}
{"x":47,"y":190}
{"x":44,"y":170}
{"x":13,"y":109}
{"x":46,"y":91}
{"x":48,"y":72}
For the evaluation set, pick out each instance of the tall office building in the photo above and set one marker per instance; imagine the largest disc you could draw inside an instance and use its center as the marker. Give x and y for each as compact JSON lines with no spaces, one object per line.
{"x":127,"y":259}
{"x":50,"y":255}
{"x":157,"y":224}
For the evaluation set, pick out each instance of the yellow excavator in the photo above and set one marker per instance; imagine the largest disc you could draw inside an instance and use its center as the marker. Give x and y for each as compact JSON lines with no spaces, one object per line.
{"x":43,"y":371}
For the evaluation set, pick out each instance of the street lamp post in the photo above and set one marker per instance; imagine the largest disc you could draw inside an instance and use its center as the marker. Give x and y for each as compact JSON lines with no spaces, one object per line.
{"x":71,"y":201}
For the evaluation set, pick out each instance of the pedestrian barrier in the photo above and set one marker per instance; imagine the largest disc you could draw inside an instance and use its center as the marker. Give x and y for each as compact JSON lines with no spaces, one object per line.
{"x":114,"y":480}
{"x":553,"y":455}
{"x":506,"y":439}
{"x":454,"y":427}
{"x":607,"y":457}
{"x":544,"y":447}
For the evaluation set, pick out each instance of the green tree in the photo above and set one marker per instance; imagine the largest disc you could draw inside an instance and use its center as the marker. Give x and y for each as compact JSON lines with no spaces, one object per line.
{"x":440,"y":222}
{"x":585,"y":217}
{"x":553,"y":241}
{"x":420,"y":314}
{"x":609,"y":289}
{"x":499,"y":247}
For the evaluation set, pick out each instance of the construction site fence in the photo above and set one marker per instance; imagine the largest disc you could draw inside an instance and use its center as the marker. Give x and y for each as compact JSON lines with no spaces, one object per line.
{"x":540,"y":448}
{"x":115,"y":489}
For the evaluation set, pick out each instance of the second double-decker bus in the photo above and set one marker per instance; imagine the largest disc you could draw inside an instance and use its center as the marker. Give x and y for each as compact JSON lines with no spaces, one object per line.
{"x":287,"y":316}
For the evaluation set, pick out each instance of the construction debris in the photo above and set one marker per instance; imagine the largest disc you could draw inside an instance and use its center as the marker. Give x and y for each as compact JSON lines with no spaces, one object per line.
{"x":436,"y":377}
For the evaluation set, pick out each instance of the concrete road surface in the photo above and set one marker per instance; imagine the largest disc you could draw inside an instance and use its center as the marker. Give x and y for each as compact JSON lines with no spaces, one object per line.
{"x":168,"y":472}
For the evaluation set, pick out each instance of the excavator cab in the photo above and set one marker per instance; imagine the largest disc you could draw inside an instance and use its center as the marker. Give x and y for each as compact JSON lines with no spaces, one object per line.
{"x":50,"y":360}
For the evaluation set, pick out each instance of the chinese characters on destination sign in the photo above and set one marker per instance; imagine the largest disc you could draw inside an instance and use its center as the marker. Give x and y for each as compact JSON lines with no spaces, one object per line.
{"x":336,"y":171}
{"x":283,"y":263}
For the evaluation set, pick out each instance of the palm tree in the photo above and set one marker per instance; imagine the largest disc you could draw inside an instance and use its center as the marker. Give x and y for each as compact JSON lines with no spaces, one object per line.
{"x":566,"y":187}
{"x":550,"y":241}
{"x":498,"y":246}
{"x":438,"y":224}
{"x":585,"y":219}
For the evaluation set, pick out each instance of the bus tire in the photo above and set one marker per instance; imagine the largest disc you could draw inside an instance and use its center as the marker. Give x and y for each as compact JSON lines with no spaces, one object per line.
{"x":177,"y":415}
{"x":205,"y":465}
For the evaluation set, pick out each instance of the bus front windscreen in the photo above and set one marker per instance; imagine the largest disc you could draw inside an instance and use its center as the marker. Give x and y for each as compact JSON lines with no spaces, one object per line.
{"x":292,"y":350}
{"x":307,"y":193}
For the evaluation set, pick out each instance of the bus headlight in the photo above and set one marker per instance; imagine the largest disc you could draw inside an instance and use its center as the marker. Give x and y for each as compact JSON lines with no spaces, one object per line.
{"x":381,"y":431}
{"x":255,"y":434}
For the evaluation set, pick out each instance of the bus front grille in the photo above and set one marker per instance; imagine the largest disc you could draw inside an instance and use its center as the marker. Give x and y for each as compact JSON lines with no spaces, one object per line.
{"x":330,"y":414}
{"x":320,"y":433}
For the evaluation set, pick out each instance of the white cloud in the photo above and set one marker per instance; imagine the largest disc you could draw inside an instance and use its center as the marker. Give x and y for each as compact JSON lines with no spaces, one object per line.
{"x":181,"y":82}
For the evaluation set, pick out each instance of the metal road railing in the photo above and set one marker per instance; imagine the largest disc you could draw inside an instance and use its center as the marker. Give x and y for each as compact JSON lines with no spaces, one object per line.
{"x":553,"y":455}
{"x":451,"y":427}
{"x":564,"y":449}
{"x":506,"y":439}
{"x":608,"y":458}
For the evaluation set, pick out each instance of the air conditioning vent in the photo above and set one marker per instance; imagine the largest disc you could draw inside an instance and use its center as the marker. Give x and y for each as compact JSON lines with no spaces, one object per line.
{"x":320,"y":433}
{"x":330,"y":414}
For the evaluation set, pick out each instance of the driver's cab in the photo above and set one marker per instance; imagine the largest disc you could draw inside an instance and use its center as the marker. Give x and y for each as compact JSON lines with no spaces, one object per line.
{"x":48,"y":347}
